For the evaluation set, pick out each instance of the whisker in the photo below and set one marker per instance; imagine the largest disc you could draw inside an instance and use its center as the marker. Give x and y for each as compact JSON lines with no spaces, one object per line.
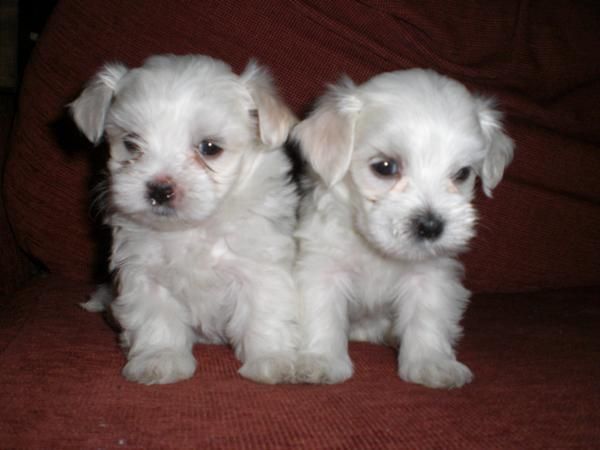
{"x":100,"y":193}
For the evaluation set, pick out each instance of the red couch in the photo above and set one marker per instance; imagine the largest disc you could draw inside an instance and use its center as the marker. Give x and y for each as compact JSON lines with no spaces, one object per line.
{"x":532,"y":332}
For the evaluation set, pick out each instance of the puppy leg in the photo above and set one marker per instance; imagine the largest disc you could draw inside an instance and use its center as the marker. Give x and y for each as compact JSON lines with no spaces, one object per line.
{"x":264,"y":327}
{"x":323,"y":356}
{"x":155,"y":331}
{"x":428,"y":325}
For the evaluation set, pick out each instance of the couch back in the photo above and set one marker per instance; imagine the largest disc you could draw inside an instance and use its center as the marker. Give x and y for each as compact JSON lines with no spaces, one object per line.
{"x":541,"y":230}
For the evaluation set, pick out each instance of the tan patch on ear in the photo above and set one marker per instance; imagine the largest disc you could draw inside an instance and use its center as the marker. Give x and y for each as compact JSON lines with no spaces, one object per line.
{"x":326,"y":137}
{"x":274,"y":118}
{"x":327,"y":141}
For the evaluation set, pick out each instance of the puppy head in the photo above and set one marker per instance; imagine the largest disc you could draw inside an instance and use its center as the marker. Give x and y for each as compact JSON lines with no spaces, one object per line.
{"x":180,"y":129}
{"x":407,"y":146}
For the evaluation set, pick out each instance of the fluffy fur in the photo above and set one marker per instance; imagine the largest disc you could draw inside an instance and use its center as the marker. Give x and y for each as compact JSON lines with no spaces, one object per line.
{"x":388,"y":209}
{"x":202,"y":211}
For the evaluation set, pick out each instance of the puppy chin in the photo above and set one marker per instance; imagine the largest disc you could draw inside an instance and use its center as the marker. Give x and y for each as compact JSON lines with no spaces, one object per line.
{"x":425,"y":252}
{"x":162,"y":221}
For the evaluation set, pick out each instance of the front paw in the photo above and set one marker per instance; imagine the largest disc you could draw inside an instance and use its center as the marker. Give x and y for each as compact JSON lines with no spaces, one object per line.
{"x":160,"y":367}
{"x":99,"y":300}
{"x":315,"y":368}
{"x":270,"y":369}
{"x":442,"y":373}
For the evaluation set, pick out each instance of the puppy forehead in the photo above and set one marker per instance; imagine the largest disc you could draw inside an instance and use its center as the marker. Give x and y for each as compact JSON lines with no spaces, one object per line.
{"x":181,"y":85}
{"x":419,"y":112}
{"x":426,"y":87}
{"x":419,"y":96}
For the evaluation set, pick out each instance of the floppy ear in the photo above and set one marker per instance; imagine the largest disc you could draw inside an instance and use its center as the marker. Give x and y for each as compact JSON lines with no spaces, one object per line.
{"x":90,"y":108}
{"x":326,"y":137}
{"x":274,"y":118}
{"x":499,"y":152}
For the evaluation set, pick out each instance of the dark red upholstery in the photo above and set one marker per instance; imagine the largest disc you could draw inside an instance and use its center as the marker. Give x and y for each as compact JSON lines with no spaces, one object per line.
{"x":535,"y":356}
{"x":14,"y":267}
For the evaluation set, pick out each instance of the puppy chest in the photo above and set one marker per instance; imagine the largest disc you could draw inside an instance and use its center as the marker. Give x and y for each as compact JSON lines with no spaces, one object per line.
{"x":178,"y":262}
{"x":192,"y":262}
{"x":375,"y":292}
{"x":372,"y":306}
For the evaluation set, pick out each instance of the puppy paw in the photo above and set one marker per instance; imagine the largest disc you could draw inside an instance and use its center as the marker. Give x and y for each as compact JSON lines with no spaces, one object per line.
{"x":99,"y":300}
{"x":445,"y":373}
{"x":315,"y":369}
{"x":270,"y":369}
{"x":160,"y":367}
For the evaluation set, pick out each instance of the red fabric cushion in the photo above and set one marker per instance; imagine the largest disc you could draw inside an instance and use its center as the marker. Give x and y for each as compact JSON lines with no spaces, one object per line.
{"x":14,"y":267}
{"x":535,"y":359}
{"x":541,"y":230}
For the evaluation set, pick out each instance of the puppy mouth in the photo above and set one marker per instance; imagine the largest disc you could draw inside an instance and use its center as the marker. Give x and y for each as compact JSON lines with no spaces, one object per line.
{"x":163,"y":211}
{"x":433,"y":249}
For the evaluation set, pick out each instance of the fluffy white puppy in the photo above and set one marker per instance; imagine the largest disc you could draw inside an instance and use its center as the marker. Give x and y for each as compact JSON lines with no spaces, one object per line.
{"x":202,"y":211}
{"x":394,"y":165}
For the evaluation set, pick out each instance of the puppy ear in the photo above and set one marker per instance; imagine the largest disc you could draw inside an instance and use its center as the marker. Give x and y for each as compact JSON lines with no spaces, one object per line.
{"x":274,"y":117}
{"x":326,"y":137}
{"x":500,"y":147}
{"x":90,"y":108}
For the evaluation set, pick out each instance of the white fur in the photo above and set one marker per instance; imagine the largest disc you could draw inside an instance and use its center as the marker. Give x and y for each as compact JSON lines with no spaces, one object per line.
{"x":362,"y":271}
{"x":214,"y":263}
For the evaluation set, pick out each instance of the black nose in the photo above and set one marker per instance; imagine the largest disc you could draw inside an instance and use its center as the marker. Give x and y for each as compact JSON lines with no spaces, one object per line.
{"x":428,"y":226}
{"x":160,"y":193}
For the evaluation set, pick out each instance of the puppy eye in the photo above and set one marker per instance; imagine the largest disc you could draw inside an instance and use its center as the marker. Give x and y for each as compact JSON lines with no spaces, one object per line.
{"x":385,"y":168}
{"x":132,"y":146}
{"x":209,"y":149}
{"x":462,"y":175}
{"x":131,"y":143}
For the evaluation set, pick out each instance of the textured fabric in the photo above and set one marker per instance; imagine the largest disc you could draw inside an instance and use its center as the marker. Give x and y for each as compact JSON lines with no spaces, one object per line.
{"x":14,"y":267}
{"x":539,"y":59}
{"x":535,"y":359}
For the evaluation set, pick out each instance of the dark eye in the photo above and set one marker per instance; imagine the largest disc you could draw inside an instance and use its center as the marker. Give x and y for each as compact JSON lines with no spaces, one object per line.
{"x":462,"y":174}
{"x":131,"y":143}
{"x":208,"y":148}
{"x":385,"y":168}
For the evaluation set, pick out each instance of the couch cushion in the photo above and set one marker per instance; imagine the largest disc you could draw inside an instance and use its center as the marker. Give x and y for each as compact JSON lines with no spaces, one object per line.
{"x":14,"y":266}
{"x":535,"y":359}
{"x":541,"y":230}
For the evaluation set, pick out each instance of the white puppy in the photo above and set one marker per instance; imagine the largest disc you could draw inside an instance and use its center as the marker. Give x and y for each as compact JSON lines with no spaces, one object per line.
{"x":394,"y":165}
{"x":202,"y":211}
